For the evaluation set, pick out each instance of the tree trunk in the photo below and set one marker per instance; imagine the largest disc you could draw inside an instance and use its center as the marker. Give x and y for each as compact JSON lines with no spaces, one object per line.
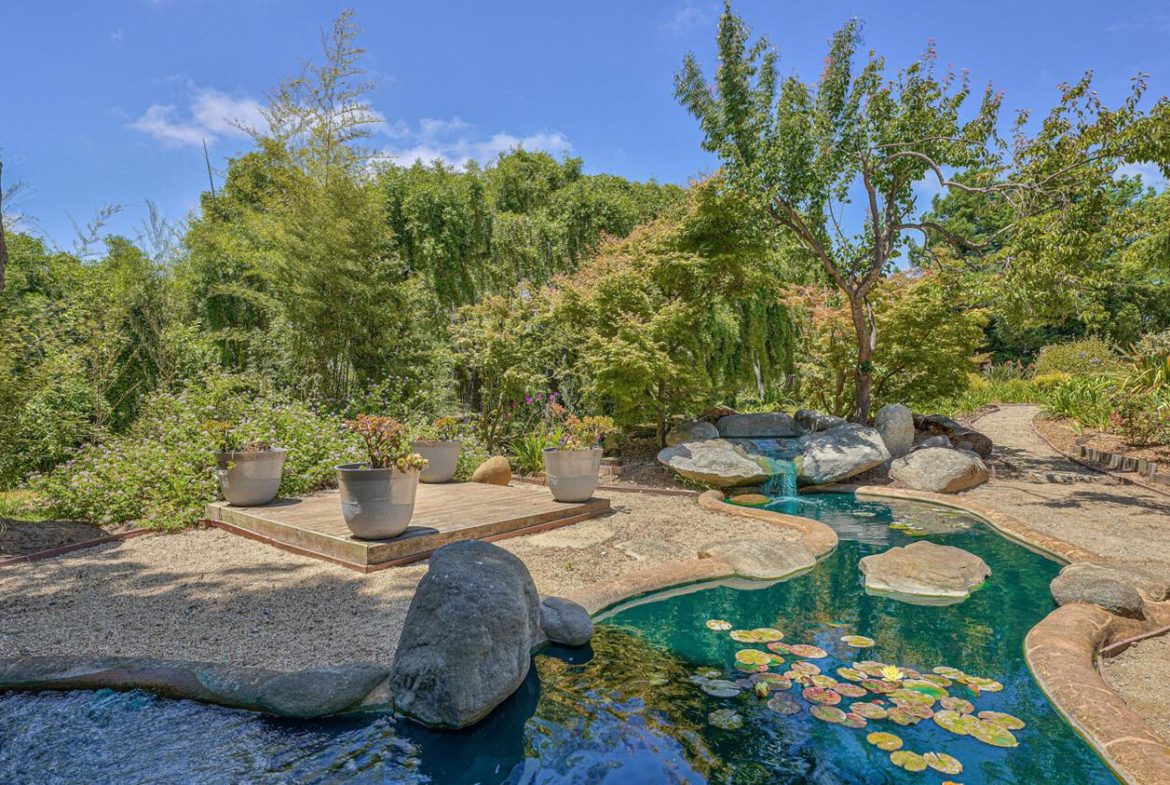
{"x":3,"y":245}
{"x":863,"y":373}
{"x":660,"y":421}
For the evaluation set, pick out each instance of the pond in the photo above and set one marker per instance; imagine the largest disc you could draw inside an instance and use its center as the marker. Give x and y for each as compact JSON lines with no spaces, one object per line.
{"x":633,"y":708}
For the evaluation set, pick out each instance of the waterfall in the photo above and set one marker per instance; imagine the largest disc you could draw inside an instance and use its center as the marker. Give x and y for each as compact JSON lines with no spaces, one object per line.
{"x":782,"y":483}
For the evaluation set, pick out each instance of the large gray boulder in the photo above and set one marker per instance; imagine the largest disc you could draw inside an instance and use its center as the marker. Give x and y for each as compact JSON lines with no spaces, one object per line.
{"x":691,"y":431}
{"x":926,"y":572}
{"x":809,"y":421}
{"x":1149,"y":578}
{"x":565,"y":622}
{"x":940,"y":470}
{"x":763,"y":425}
{"x":761,"y":559}
{"x":962,"y":437}
{"x":716,"y":462}
{"x":465,"y":646}
{"x":1094,"y":586}
{"x":895,"y":423}
{"x":839,"y":454}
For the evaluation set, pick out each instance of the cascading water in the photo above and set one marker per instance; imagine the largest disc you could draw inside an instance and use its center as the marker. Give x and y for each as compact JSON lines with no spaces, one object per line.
{"x":782,"y":483}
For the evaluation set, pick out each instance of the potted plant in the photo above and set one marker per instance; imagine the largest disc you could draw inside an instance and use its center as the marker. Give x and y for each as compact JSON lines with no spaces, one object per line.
{"x":249,"y":471}
{"x":439,"y":444}
{"x":572,"y":466}
{"x":377,"y":497}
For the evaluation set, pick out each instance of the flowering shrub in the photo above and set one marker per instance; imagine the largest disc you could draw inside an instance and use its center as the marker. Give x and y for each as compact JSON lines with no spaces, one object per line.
{"x":1142,"y":418}
{"x":444,"y":429}
{"x":387,"y":443}
{"x":161,"y":471}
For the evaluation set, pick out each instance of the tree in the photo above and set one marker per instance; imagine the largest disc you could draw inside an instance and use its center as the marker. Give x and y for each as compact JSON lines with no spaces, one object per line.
{"x":804,"y":152}
{"x":3,"y":245}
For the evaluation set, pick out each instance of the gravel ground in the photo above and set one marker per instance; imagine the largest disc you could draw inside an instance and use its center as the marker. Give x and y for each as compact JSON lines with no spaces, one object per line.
{"x":1139,"y":675}
{"x":210,"y":595}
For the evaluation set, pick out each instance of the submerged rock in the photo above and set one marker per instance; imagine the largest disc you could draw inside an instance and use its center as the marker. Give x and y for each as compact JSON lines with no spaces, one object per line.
{"x":716,"y":462}
{"x":691,"y":431}
{"x":840,"y":453}
{"x":925,"y":571}
{"x":465,"y":645}
{"x":940,"y":470}
{"x":762,"y":425}
{"x":761,"y":559}
{"x":1097,"y":588}
{"x":896,"y":425}
{"x":493,"y":471}
{"x":565,"y":622}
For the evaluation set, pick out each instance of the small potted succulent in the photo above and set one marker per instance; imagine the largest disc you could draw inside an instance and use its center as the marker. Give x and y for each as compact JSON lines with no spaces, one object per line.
{"x":572,"y":466}
{"x":249,"y":471}
{"x":439,"y":444}
{"x":377,"y":497}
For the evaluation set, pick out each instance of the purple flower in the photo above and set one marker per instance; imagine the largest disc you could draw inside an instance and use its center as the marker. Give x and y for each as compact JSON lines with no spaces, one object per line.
{"x":527,"y":399}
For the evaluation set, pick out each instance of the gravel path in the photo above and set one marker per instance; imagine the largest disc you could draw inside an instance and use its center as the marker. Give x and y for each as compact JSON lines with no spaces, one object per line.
{"x":1118,"y":521}
{"x":210,"y":595}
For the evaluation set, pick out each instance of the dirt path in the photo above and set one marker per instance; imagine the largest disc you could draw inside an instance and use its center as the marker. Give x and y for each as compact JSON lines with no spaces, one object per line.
{"x":1116,"y":520}
{"x":1087,"y":508}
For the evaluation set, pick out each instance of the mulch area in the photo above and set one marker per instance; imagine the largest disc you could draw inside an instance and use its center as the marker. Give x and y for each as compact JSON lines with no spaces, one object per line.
{"x":1063,"y":436}
{"x":20,"y":538}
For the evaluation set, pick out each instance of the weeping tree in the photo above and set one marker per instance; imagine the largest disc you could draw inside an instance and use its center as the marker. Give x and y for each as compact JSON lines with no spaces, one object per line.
{"x":811,"y":154}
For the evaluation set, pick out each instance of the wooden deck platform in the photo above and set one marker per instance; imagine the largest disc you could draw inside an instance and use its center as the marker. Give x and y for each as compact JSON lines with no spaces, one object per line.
{"x":313,"y":526}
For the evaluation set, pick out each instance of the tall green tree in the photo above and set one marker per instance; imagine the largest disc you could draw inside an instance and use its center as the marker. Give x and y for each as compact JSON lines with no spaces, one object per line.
{"x":806,"y":152}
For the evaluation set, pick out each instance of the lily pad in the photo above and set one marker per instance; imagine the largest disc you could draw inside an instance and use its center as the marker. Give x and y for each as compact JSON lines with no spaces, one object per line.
{"x":902,"y":717}
{"x":783,"y":704}
{"x":720,"y":688}
{"x":850,"y":674}
{"x":908,"y":696}
{"x":828,"y":714}
{"x":747,"y":667}
{"x":777,"y":646}
{"x":871,"y":711}
{"x":850,"y":690}
{"x":854,"y":721}
{"x":808,"y":652}
{"x":940,"y":761}
{"x":991,"y":733}
{"x":807,"y":668}
{"x":884,"y":741}
{"x":926,"y":688}
{"x":775,"y":681}
{"x":984,"y":685}
{"x":1003,"y":720}
{"x":951,"y":720}
{"x":934,"y":678}
{"x":879,"y":687}
{"x":821,"y":680}
{"x":719,"y":625}
{"x":758,"y":635}
{"x":821,"y":695}
{"x":751,"y":657}
{"x":961,"y":705}
{"x":857,"y":641}
{"x":725,"y":719}
{"x":949,"y":672}
{"x":910,"y":761}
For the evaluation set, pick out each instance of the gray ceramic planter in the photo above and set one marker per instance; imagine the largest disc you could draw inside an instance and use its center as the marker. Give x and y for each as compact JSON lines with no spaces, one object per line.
{"x":442,"y":459}
{"x":377,"y":504}
{"x":572,"y":474}
{"x":249,"y":479}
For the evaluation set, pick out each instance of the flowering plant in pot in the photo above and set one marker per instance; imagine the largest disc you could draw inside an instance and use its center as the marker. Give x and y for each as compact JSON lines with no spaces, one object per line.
{"x":572,"y":466}
{"x":249,"y":470}
{"x":377,"y":497}
{"x":439,"y":444}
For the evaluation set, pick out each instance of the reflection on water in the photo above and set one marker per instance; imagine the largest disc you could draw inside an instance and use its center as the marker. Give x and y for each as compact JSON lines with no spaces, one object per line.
{"x":626,"y":710}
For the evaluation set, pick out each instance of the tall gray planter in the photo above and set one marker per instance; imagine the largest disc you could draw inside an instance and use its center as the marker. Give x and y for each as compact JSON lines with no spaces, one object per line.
{"x":442,"y":459}
{"x":377,"y":504}
{"x":249,"y":479}
{"x":572,"y":474}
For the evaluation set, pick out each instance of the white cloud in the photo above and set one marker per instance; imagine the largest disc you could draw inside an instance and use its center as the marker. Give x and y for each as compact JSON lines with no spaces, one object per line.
{"x":210,"y":115}
{"x":453,"y":142}
{"x":688,"y":16}
{"x":1150,"y":173}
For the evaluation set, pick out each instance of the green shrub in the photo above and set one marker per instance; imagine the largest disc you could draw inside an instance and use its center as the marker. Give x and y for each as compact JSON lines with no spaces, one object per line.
{"x":1143,"y":418}
{"x":528,"y":450}
{"x":1087,"y":357}
{"x":161,"y":471}
{"x":1088,"y":400}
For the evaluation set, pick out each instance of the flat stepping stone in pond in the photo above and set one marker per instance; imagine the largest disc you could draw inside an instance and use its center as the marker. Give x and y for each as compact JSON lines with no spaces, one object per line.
{"x":762,"y":559}
{"x":646,"y":549}
{"x":924,"y":573}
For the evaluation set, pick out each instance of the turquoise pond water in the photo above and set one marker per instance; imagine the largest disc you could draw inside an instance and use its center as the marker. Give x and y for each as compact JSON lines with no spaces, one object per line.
{"x":626,"y":710}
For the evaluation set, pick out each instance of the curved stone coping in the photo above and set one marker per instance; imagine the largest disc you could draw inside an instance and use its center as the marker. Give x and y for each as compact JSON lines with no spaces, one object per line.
{"x":599,"y":597}
{"x":307,"y":693}
{"x":1060,"y":651}
{"x":818,"y":538}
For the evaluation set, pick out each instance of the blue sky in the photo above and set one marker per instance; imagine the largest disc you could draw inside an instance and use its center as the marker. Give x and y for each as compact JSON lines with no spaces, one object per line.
{"x":108,"y":102}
